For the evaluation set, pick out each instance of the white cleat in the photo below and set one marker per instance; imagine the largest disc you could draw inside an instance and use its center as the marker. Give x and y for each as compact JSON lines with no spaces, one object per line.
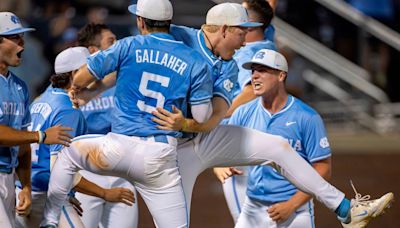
{"x":363,"y":209}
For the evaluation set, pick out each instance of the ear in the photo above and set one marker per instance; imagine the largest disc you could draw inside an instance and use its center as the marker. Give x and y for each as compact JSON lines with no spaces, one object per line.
{"x":282,"y":76}
{"x":224,"y":30}
{"x":93,"y":49}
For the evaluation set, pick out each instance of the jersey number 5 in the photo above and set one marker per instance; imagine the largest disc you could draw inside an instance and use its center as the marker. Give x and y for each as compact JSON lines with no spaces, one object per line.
{"x":146,"y":77}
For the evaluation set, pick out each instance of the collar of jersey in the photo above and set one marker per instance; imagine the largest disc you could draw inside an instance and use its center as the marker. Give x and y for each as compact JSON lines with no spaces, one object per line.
{"x":59,"y":91}
{"x":288,"y":104}
{"x":202,"y":42}
{"x":7,"y":79}
{"x":164,"y":37}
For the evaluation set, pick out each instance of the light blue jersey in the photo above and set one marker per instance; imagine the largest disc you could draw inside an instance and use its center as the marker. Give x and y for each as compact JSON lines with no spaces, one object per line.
{"x":153,"y":71}
{"x":224,"y":73}
{"x":52,"y":108}
{"x":14,"y":112}
{"x":98,"y":112}
{"x":296,"y":122}
{"x":244,"y":55}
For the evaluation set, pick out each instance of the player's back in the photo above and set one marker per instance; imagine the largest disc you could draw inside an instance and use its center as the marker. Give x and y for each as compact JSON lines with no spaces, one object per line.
{"x":153,"y":71}
{"x":98,"y":112}
{"x":53,"y":107}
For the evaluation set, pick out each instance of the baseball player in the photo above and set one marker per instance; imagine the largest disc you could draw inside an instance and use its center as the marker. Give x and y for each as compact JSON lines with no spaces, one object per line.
{"x":15,"y":155}
{"x":260,"y":11}
{"x":232,"y":145}
{"x":272,"y":201}
{"x":98,"y":114}
{"x":53,"y":108}
{"x":153,"y":70}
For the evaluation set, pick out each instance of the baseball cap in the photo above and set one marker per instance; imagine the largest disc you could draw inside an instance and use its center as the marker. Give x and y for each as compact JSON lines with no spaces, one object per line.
{"x":70,"y":59}
{"x":231,"y":14}
{"x":268,"y":58}
{"x":158,"y":10}
{"x":10,"y":24}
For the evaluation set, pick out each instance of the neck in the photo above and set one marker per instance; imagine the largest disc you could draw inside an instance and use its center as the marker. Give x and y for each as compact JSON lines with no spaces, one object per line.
{"x":210,"y":42}
{"x":254,"y":36}
{"x":4,"y":70}
{"x":275,"y":103}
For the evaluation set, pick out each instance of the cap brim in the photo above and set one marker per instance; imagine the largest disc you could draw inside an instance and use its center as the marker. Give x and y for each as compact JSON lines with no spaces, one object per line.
{"x":133,"y":8}
{"x":17,"y":31}
{"x":251,"y":24}
{"x":248,"y":65}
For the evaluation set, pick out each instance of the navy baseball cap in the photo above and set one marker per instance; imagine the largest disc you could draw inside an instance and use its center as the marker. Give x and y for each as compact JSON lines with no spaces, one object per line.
{"x":10,"y":24}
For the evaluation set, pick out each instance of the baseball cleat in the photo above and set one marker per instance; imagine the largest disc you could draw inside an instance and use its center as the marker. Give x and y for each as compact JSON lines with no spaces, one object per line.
{"x":363,"y":209}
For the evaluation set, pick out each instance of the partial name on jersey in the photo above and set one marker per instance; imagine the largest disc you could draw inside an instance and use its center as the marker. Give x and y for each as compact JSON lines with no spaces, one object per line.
{"x":165,"y":59}
{"x":100,"y":103}
{"x":12,"y":108}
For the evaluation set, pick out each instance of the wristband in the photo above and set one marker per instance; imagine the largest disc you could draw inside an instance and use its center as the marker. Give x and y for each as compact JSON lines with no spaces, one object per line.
{"x":42,"y":136}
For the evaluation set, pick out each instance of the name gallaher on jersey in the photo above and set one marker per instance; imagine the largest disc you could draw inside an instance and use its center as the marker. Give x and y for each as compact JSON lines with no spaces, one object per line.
{"x":156,"y":57}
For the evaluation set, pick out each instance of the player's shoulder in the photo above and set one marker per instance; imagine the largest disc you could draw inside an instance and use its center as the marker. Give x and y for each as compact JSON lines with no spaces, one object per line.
{"x":304,"y":109}
{"x":180,"y":30}
{"x":18,"y":81}
{"x":249,"y":106}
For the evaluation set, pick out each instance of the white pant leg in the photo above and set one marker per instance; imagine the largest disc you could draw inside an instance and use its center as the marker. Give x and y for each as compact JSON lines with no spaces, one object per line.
{"x":119,"y":214}
{"x":232,"y":146}
{"x":36,"y":215}
{"x":7,"y":200}
{"x":255,"y":215}
{"x":69,"y":217}
{"x":151,"y":166}
{"x":190,"y":166}
{"x":235,"y":192}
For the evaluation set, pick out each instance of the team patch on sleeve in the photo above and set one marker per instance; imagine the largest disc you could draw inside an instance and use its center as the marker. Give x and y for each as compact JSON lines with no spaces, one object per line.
{"x":324,"y":142}
{"x":228,"y":85}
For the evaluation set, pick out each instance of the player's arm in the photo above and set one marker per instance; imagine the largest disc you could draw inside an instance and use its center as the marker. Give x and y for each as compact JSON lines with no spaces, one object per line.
{"x":54,"y":135}
{"x":245,"y":96}
{"x":176,"y":121}
{"x":280,"y":212}
{"x":82,"y":95}
{"x":24,"y":175}
{"x":121,"y":195}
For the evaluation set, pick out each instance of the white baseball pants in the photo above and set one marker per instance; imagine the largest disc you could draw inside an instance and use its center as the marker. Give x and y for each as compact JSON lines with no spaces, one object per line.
{"x":239,"y":146}
{"x":150,"y":166}
{"x":99,"y":213}
{"x":254,"y":214}
{"x":7,"y":199}
{"x":69,"y":217}
{"x":235,"y":192}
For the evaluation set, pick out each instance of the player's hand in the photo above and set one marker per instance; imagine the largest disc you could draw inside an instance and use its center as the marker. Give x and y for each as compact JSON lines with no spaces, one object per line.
{"x":80,"y":97}
{"x":280,"y":212}
{"x":58,"y":135}
{"x":223,"y":173}
{"x":25,"y":200}
{"x":76,"y":205}
{"x":119,"y":195}
{"x":172,"y":121}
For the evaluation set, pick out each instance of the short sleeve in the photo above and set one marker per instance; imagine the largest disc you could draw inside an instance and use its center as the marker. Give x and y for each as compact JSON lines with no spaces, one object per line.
{"x":104,"y":62}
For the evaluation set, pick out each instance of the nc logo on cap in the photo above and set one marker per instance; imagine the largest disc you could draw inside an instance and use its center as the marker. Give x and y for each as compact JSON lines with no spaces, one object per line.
{"x":15,"y":19}
{"x":260,"y":55}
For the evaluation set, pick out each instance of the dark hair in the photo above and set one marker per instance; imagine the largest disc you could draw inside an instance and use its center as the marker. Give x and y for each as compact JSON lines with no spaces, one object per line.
{"x":60,"y":80}
{"x":157,"y":24}
{"x":87,"y":35}
{"x":263,"y":10}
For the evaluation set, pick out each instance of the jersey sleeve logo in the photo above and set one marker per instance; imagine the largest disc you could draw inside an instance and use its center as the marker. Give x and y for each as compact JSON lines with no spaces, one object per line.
{"x":228,"y":85}
{"x":324,"y":142}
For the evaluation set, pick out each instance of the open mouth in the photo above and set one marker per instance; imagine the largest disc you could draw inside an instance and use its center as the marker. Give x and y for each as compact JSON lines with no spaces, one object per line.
{"x":19,"y":54}
{"x":257,"y":85}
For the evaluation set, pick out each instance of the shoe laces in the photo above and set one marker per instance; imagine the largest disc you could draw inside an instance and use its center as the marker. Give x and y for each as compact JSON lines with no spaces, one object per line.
{"x":359,"y":199}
